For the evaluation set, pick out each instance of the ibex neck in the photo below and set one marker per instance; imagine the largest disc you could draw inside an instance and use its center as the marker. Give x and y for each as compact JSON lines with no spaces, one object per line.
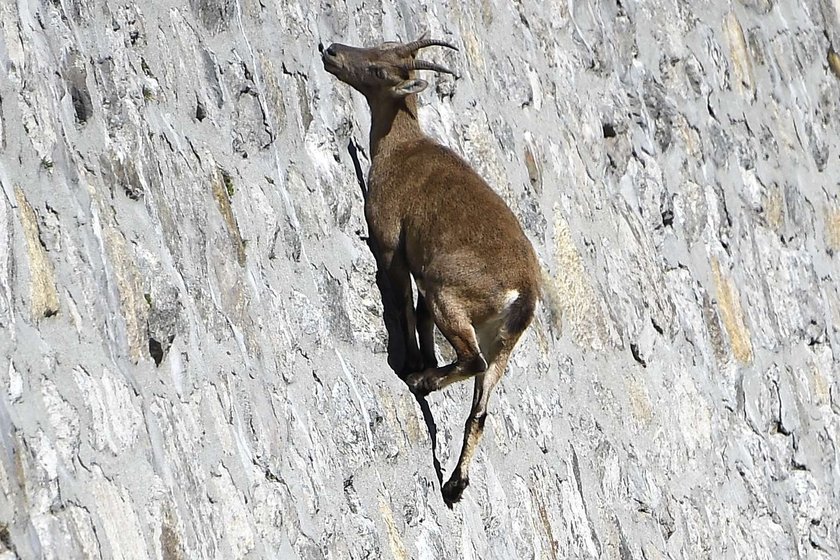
{"x":392,"y":124}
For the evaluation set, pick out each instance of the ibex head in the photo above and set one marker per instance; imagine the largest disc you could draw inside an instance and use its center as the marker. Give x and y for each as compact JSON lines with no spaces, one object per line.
{"x":382,"y":71}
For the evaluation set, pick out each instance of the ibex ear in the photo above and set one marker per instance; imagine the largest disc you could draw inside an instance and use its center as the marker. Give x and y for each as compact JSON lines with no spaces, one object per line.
{"x":407,"y":87}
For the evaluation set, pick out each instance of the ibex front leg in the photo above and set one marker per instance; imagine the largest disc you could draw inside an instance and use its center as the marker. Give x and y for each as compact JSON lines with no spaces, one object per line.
{"x":426,"y":333}
{"x":396,"y":270}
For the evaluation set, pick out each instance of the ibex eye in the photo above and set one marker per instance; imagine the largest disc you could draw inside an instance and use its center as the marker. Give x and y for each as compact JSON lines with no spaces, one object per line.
{"x":377,"y":71}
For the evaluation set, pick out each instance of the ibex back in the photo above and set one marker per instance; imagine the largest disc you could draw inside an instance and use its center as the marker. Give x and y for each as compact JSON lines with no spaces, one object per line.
{"x":431,"y":216}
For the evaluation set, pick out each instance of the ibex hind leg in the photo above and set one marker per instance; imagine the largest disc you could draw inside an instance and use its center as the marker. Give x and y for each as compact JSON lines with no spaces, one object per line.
{"x":498,"y":340}
{"x":455,"y":325}
{"x":474,"y":426}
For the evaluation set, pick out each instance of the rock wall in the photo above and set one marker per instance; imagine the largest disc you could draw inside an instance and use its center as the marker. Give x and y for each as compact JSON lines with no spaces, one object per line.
{"x":193,"y":353}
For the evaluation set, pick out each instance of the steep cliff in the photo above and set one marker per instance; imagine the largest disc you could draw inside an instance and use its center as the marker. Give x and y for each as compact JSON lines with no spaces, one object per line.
{"x":193,"y":353}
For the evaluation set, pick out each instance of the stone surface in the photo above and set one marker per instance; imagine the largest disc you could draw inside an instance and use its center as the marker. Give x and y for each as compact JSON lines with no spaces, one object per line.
{"x":193,"y":354}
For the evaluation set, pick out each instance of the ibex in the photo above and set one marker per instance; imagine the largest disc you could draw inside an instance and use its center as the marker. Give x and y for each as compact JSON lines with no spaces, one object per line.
{"x":431,"y":216}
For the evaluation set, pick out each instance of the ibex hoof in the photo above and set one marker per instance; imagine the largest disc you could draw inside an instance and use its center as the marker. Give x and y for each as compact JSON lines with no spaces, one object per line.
{"x":453,"y":489}
{"x":418,"y":383}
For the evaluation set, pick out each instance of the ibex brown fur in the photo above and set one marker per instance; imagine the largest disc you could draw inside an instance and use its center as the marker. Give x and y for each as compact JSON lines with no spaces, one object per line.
{"x":431,"y":216}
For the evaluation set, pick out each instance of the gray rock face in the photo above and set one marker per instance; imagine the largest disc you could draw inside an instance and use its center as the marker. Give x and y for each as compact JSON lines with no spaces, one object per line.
{"x":193,"y":353}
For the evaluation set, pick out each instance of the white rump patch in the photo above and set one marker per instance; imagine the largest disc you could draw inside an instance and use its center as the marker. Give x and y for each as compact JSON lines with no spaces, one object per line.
{"x":510,"y":297}
{"x":488,"y":332}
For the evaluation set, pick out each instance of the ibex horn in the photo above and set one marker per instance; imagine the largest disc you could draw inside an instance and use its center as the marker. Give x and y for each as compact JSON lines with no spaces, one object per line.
{"x":422,"y":43}
{"x":423,"y":65}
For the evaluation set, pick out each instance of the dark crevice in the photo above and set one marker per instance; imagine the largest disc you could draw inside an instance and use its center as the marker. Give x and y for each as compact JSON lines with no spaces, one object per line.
{"x":82,"y":104}
{"x":609,"y":130}
{"x":634,"y":349}
{"x":668,"y":217}
{"x":779,"y":428}
{"x":155,"y":351}
{"x":709,"y":107}
{"x":200,"y":111}
{"x":656,"y":326}
{"x":271,"y":477}
{"x":797,"y":466}
{"x":815,"y":335}
{"x":193,"y":150}
{"x":272,"y":253}
{"x":166,"y":139}
{"x":778,"y":425}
